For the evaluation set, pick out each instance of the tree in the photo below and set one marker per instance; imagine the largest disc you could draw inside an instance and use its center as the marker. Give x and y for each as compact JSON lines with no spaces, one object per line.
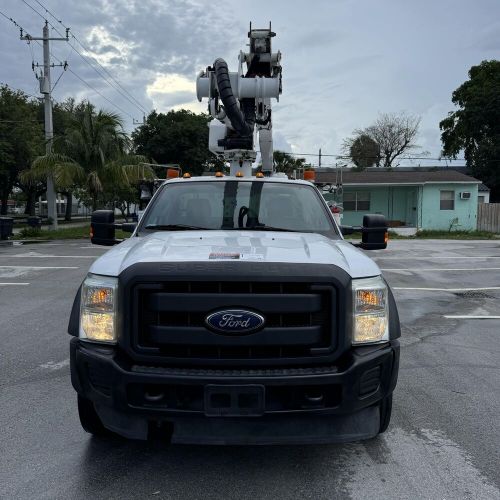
{"x":394,"y":134}
{"x":62,"y":114}
{"x":363,"y":151}
{"x":122,"y":196}
{"x":21,"y":138}
{"x":176,"y":137}
{"x":285,"y":162}
{"x":93,"y":153}
{"x":474,"y":128}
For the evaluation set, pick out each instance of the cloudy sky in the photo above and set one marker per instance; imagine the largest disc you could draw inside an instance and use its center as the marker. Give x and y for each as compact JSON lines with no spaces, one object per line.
{"x":344,"y":61}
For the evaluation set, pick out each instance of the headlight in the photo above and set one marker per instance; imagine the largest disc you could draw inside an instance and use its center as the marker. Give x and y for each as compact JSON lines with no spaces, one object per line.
{"x":98,"y":309}
{"x":371,"y":311}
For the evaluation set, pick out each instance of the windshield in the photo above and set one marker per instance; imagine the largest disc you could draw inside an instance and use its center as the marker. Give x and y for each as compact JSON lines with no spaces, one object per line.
{"x":238,"y":205}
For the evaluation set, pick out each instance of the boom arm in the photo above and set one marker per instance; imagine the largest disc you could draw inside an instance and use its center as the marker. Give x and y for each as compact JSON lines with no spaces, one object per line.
{"x":240,"y":103}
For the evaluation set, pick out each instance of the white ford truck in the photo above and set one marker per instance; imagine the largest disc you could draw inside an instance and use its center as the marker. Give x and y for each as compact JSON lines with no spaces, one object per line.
{"x":235,"y":313}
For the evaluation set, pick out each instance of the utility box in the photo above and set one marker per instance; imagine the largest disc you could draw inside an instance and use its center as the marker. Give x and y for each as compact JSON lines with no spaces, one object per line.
{"x":34,"y":222}
{"x":6,"y":225}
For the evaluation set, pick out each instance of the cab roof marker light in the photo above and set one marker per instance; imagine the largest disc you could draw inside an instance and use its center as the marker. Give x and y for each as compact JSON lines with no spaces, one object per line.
{"x":219,"y":174}
{"x":186,"y":176}
{"x":239,"y":173}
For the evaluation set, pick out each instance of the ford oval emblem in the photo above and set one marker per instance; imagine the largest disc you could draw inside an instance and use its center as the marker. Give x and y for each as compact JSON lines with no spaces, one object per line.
{"x":234,"y":321}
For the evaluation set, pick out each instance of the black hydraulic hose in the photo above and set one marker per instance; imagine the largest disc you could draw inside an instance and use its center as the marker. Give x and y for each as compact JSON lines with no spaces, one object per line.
{"x":242,"y":122}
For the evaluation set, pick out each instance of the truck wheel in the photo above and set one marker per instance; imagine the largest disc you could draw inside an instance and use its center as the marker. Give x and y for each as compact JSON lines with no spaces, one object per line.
{"x":385,"y":413}
{"x":89,"y":418}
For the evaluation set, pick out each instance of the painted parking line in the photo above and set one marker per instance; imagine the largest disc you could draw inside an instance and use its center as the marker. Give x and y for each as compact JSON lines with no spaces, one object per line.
{"x":55,"y":365}
{"x":446,"y":289}
{"x":44,"y":256}
{"x":470,"y":317}
{"x":37,"y":268}
{"x":442,"y":269}
{"x":451,"y":257}
{"x":14,"y":284}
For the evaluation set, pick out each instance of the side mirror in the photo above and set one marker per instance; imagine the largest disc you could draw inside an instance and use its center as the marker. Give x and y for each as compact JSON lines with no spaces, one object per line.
{"x":102,"y":228}
{"x":128,"y":227}
{"x":374,"y":232}
{"x":347,"y":229}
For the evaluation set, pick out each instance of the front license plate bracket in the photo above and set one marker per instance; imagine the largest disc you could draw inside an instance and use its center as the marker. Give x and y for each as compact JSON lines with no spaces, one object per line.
{"x":234,"y":400}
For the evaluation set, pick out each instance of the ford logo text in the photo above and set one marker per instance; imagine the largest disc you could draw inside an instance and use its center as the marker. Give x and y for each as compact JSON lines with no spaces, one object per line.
{"x":234,"y":321}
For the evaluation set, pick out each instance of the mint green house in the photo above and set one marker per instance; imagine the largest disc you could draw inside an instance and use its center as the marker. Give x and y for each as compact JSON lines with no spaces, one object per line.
{"x":417,"y":199}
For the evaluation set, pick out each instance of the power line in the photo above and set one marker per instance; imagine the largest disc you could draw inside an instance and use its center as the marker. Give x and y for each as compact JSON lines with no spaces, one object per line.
{"x":69,"y":69}
{"x":97,"y":92}
{"x":34,"y":10}
{"x":11,"y":20}
{"x":50,"y":13}
{"x":29,"y":43}
{"x":139,"y":105}
{"x":346,"y":157}
{"x":83,"y":57}
{"x":91,"y":87}
{"x":118,"y":87}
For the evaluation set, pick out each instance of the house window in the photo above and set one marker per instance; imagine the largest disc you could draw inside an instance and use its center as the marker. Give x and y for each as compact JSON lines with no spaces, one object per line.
{"x":358,"y":201}
{"x":447,"y":200}
{"x":480,"y":199}
{"x":363,"y":201}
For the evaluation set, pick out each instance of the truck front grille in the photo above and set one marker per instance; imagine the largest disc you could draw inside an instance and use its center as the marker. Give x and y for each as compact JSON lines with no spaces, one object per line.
{"x":169,"y":319}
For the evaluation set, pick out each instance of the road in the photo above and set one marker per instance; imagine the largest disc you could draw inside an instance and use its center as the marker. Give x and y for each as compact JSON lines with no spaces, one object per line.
{"x":443,"y":441}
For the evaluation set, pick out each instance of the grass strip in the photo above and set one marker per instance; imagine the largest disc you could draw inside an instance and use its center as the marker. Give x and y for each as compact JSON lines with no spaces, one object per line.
{"x":67,"y":233}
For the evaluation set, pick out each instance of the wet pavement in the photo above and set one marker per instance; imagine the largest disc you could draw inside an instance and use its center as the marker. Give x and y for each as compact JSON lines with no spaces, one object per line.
{"x":443,"y":441}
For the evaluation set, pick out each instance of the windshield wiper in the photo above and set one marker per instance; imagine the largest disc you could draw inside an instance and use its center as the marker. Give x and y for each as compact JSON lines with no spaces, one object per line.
{"x":174,"y":227}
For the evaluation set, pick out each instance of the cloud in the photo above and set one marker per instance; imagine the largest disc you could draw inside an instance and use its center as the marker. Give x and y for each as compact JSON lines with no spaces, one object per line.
{"x":174,"y":91}
{"x":281,"y":143}
{"x":107,"y":48}
{"x":487,"y":39}
{"x":343,"y":61}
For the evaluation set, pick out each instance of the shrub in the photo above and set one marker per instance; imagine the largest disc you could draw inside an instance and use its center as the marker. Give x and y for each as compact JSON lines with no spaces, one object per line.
{"x":30,"y":232}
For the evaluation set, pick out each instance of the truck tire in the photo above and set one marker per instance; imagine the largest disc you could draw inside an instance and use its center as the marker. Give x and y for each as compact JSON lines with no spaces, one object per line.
{"x":89,"y":419}
{"x":385,"y":413}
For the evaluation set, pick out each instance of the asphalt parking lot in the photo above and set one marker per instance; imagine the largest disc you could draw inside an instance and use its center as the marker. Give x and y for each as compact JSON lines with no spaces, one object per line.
{"x":443,"y":441}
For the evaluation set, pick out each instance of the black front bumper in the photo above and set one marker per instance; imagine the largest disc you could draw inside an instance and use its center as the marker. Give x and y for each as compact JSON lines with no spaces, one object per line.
{"x":335,"y":403}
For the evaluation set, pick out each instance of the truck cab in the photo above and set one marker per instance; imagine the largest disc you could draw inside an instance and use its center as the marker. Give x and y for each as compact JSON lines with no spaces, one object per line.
{"x":236,"y":313}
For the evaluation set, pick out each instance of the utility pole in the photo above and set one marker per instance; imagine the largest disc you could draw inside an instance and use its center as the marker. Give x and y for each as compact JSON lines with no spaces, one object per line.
{"x":46,"y":91}
{"x":137,"y":122}
{"x":319,"y":162}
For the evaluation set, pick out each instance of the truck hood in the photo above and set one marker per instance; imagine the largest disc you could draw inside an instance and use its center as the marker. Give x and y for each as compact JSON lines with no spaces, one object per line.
{"x":269,"y":246}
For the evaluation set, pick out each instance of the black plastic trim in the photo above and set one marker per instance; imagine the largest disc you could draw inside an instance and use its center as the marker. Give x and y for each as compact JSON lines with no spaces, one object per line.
{"x":290,"y":336}
{"x":394,"y":324}
{"x":74,"y":317}
{"x":266,"y":303}
{"x":319,"y":275}
{"x":347,"y":374}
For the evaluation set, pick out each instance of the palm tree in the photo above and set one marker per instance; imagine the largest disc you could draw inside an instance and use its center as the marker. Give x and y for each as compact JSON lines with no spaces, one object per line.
{"x":94,"y":151}
{"x":65,"y":172}
{"x":285,"y":162}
